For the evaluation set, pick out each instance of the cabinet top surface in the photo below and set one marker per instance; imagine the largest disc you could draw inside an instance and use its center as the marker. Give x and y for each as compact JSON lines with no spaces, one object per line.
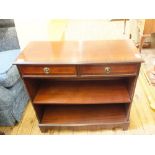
{"x":79,"y":52}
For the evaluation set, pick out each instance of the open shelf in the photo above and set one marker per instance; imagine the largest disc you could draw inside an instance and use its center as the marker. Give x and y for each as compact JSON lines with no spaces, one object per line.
{"x":82,"y":92}
{"x":83,"y":115}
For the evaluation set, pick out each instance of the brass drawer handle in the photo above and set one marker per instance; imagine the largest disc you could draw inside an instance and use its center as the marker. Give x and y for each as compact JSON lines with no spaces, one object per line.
{"x":107,"y":70}
{"x":46,"y":70}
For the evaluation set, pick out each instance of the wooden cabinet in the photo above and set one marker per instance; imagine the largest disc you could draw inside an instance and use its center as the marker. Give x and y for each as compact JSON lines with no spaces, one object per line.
{"x":86,"y":84}
{"x":147,"y":30}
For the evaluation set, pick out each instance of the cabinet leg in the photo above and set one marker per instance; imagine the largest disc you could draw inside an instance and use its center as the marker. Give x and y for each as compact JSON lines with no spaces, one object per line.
{"x":43,"y":130}
{"x":125,"y":127}
{"x":141,"y":43}
{"x":2,"y":133}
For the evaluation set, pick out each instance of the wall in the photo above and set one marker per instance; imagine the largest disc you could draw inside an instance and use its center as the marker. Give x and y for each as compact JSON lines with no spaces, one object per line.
{"x":38,"y":29}
{"x":29,"y":30}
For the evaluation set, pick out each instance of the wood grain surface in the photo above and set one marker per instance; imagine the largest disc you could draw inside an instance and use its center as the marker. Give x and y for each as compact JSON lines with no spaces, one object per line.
{"x":75,"y":115}
{"x":79,"y":52}
{"x":115,"y":69}
{"x":53,"y":70}
{"x":82,"y":92}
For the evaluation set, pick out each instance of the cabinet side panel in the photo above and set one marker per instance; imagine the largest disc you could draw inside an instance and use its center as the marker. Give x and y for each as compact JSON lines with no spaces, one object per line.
{"x":131,"y":84}
{"x":32,"y":86}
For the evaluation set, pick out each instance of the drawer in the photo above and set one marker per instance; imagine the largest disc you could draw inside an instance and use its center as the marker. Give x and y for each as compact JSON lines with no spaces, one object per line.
{"x":111,"y":69}
{"x":48,"y":70}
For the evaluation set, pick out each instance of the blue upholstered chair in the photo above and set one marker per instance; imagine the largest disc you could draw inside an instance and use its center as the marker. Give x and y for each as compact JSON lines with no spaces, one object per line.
{"x":13,"y":96}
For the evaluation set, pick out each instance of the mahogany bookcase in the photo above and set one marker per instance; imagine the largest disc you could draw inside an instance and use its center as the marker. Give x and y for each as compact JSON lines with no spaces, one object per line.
{"x":80,"y":84}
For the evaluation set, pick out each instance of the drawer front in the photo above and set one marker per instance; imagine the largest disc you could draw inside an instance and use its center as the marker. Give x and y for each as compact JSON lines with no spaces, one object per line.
{"x":48,"y":70}
{"x":111,"y":69}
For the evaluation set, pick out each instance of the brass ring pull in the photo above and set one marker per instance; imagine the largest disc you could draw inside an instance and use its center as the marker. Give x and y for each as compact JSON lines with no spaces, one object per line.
{"x":107,"y":70}
{"x":46,"y":70}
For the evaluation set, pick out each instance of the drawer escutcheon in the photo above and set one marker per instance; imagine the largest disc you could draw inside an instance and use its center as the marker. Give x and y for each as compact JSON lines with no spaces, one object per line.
{"x":46,"y":70}
{"x":107,"y":70}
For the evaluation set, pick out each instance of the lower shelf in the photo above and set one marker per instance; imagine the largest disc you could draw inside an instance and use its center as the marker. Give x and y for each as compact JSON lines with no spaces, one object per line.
{"x":83,"y":115}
